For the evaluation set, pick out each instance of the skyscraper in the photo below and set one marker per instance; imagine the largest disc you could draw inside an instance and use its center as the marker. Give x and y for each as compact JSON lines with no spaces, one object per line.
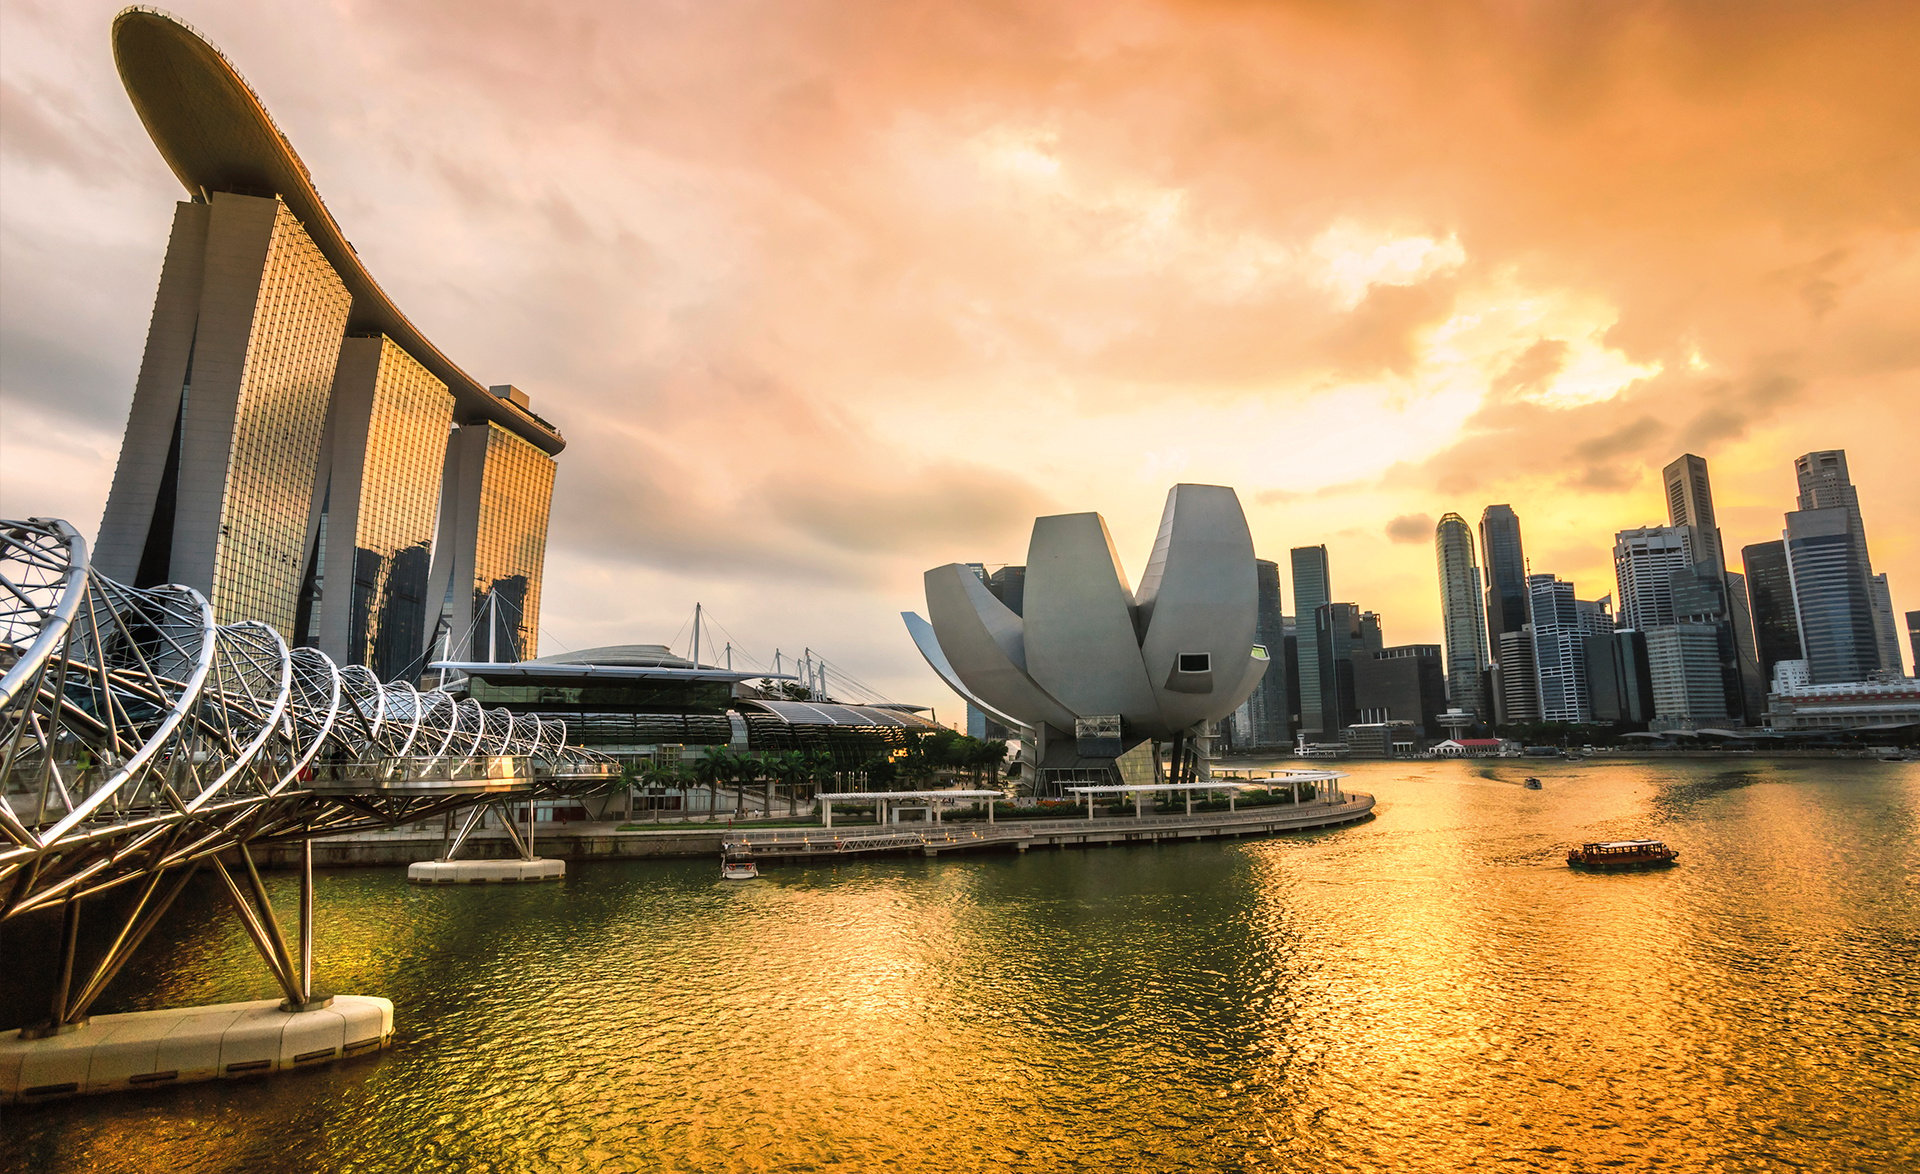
{"x":1884,"y":633}
{"x":1690,"y":507}
{"x":1462,"y":614}
{"x":1689,"y":689}
{"x":1009,"y":586}
{"x":1342,"y":632}
{"x":1913,"y":639}
{"x":1312,"y":589}
{"x":1519,"y":690}
{"x":380,"y":473}
{"x":1268,"y":711}
{"x":1826,"y":484}
{"x":1690,"y":503}
{"x":287,"y":448}
{"x":1776,"y":629}
{"x":1830,"y":596}
{"x":1506,"y":571}
{"x":1643,"y":563}
{"x":1560,"y":626}
{"x":493,"y":543}
{"x":1619,"y":685}
{"x":214,"y":489}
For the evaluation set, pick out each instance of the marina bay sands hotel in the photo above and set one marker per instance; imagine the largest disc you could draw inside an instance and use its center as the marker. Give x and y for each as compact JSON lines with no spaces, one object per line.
{"x":297,"y":450}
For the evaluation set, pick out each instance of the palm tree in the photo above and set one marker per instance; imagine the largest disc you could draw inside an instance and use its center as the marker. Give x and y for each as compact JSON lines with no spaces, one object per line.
{"x":746,"y":768}
{"x":789,"y":767}
{"x":713,"y":768}
{"x":819,"y":770}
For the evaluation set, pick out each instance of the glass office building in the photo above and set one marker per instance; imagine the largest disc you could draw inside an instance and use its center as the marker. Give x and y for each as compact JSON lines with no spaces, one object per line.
{"x":1830,"y":596}
{"x":1463,"y":618}
{"x":1312,"y":590}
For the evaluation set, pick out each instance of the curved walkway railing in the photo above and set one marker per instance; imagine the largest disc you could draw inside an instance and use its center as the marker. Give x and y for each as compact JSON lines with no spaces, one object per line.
{"x":137,"y":733}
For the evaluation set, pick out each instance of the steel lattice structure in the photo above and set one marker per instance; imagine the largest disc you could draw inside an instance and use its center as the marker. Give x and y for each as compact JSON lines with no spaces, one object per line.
{"x":138,"y":734}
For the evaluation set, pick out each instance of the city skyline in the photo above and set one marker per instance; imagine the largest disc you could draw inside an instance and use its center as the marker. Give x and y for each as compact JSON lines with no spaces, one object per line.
{"x":609,"y":265}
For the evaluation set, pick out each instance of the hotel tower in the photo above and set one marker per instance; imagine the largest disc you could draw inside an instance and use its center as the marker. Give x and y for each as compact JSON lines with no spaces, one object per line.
{"x":297,"y":451}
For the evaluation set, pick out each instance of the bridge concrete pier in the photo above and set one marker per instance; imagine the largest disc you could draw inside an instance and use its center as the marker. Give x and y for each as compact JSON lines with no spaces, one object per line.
{"x":227,"y":1041}
{"x":485,"y":872}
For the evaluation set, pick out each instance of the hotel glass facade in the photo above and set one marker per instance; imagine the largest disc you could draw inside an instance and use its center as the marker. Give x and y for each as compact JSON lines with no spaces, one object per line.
{"x":389,"y":440}
{"x":493,"y":543}
{"x":233,"y":392}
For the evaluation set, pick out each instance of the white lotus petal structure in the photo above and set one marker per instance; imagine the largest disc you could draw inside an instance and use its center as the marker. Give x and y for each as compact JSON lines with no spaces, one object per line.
{"x":1164,"y":658}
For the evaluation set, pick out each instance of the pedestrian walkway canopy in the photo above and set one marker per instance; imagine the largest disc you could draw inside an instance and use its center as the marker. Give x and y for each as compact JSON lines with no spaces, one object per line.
{"x":882,"y":799}
{"x":1231,"y":785}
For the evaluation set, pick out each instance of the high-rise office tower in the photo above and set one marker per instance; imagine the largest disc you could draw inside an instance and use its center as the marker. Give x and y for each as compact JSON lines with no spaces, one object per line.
{"x":1268,"y":710}
{"x":1619,"y":685}
{"x":1690,"y":507}
{"x":1690,"y":503}
{"x":1312,"y":590}
{"x":1689,"y":687}
{"x":1463,"y":616}
{"x":1644,"y":560}
{"x":1826,"y":484}
{"x":1009,"y":586}
{"x":1342,"y":632}
{"x":1519,"y":690}
{"x":1504,"y":567}
{"x":1506,"y":571}
{"x":1831,"y":599}
{"x":1560,"y":626}
{"x":1885,"y":634}
{"x":287,"y":448}
{"x":1291,"y":658}
{"x":1913,"y":639}
{"x":1776,"y":629}
{"x":1403,"y":683}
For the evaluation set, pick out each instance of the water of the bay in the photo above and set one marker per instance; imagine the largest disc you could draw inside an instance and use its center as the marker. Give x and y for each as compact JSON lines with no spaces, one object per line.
{"x":1433,"y":990}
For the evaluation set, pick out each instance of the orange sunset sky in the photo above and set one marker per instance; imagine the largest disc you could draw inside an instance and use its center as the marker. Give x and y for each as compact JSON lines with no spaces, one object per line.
{"x":826,"y":293}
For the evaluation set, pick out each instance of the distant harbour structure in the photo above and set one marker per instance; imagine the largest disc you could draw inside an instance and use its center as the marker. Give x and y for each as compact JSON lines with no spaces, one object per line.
{"x":1094,"y":672}
{"x":296,"y":449}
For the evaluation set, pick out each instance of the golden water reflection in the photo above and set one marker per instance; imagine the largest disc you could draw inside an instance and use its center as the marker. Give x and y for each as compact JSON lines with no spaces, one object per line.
{"x":1430,"y":991}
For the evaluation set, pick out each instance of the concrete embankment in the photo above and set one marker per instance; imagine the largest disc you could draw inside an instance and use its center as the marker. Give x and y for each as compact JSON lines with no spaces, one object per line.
{"x":606,"y":841}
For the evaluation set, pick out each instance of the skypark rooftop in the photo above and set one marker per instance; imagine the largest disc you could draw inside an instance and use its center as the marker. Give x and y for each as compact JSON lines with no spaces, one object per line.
{"x":215,"y":134}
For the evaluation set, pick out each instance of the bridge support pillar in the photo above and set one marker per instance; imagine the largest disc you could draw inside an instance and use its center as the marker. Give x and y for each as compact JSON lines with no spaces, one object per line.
{"x":143,"y":1049}
{"x":527,"y":867}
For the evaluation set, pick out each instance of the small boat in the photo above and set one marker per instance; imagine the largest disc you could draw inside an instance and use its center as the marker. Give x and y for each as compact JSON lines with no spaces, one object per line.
{"x":1531,"y":783}
{"x":737,"y":865}
{"x":1622,"y":855}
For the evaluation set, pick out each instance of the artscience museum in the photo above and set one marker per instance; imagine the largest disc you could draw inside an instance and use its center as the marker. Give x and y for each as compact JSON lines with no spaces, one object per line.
{"x":1097,"y":674}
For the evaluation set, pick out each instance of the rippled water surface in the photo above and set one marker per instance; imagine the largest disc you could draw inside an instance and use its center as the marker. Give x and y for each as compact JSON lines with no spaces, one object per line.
{"x":1433,"y":990}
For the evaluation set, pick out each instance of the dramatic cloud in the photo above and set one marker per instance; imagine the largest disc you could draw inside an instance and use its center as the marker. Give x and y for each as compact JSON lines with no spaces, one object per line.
{"x":829,"y":291}
{"x":1410,"y":528}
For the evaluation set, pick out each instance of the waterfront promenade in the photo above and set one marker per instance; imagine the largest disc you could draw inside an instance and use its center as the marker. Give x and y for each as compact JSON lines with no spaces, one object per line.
{"x":614,"y":840}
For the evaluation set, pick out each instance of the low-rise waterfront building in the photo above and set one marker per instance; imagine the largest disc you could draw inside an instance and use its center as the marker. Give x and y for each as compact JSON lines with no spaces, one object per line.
{"x":1889,"y":706}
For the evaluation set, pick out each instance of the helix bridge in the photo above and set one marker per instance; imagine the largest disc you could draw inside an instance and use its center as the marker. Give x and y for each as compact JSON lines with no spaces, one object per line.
{"x":142,"y":741}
